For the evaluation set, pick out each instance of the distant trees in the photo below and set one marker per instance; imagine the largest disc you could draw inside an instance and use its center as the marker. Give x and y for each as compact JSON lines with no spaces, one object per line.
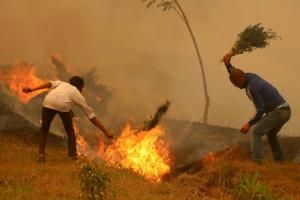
{"x":175,"y":6}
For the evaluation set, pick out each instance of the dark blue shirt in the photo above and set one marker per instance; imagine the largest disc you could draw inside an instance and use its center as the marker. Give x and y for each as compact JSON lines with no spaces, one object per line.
{"x":264,"y":96}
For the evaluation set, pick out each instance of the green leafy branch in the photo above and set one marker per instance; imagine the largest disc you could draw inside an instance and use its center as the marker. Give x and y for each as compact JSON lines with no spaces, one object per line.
{"x":253,"y":37}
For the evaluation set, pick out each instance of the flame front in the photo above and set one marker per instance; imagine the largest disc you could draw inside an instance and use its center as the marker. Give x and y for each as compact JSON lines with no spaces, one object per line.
{"x":19,"y":76}
{"x":82,"y":145}
{"x":143,"y":152}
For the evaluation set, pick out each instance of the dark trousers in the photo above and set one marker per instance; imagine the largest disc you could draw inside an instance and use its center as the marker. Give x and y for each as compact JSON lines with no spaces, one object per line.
{"x":66,"y":118}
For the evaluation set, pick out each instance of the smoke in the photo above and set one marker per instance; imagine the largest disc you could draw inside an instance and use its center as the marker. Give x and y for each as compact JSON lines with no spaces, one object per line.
{"x":146,"y":56}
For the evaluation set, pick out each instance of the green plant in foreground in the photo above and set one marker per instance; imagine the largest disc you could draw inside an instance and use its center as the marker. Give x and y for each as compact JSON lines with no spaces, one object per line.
{"x":253,"y":37}
{"x":94,"y":184}
{"x":250,"y":188}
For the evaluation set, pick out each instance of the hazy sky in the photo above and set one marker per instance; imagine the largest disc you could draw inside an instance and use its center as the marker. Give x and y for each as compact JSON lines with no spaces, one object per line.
{"x":146,"y":55}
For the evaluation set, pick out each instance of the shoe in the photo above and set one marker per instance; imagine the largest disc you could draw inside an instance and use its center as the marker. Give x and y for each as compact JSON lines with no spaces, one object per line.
{"x":42,"y":159}
{"x":74,"y":158}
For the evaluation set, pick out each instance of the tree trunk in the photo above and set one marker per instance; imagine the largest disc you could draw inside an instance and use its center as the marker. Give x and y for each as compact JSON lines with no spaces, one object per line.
{"x":206,"y":107}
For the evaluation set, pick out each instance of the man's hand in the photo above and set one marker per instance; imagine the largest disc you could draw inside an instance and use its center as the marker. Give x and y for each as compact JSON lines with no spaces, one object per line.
{"x":27,"y":90}
{"x":227,"y":57}
{"x":110,"y":135}
{"x":245,"y":128}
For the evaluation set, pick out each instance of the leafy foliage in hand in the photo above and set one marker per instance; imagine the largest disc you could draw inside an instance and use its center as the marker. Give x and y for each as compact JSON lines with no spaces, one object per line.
{"x":253,"y":37}
{"x":94,"y":184}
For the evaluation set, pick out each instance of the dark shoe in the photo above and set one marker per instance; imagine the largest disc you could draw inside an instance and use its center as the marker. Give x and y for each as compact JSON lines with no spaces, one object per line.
{"x":42,"y":159}
{"x":77,"y":159}
{"x":74,"y":158}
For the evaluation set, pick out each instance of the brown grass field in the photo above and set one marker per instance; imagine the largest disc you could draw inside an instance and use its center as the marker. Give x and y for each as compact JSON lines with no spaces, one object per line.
{"x":21,"y":177}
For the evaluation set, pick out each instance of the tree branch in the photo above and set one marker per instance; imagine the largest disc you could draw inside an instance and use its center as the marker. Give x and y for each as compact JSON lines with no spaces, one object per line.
{"x":178,"y":13}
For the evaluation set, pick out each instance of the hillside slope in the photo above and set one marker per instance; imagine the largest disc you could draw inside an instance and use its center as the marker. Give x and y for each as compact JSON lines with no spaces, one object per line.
{"x":196,"y":172}
{"x":21,"y":177}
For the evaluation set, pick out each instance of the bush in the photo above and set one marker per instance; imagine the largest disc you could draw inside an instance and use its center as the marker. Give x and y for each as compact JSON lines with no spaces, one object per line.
{"x":94,"y":184}
{"x":250,"y":188}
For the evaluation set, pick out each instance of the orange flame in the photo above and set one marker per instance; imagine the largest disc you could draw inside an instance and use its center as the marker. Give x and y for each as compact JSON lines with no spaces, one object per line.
{"x":101,"y":149}
{"x":143,"y":152}
{"x":210,"y":157}
{"x":82,"y":145}
{"x":19,"y":76}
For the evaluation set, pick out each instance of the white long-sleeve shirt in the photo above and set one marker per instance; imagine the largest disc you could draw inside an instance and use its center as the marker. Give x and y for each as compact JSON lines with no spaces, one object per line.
{"x":61,"y":97}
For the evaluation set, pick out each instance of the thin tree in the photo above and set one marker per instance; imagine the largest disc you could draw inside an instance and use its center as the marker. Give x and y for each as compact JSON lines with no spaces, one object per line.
{"x":175,"y":6}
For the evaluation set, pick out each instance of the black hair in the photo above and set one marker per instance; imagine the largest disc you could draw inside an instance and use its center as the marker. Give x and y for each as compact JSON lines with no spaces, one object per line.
{"x":77,"y":82}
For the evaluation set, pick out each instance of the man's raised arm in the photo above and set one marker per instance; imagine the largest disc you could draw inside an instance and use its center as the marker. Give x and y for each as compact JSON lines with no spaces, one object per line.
{"x":226,"y":60}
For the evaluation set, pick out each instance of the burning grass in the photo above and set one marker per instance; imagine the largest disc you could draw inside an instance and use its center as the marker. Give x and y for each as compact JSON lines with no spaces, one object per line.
{"x":19,"y":75}
{"x":21,"y":177}
{"x":222,"y":178}
{"x":143,"y":152}
{"x":218,"y":175}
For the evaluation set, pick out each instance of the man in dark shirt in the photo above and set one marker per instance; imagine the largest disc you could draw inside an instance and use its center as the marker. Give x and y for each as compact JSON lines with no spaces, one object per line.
{"x":272,"y":111}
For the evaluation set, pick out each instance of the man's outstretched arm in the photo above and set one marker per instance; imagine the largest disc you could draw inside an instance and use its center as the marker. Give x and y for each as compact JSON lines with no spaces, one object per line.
{"x":98,"y":124}
{"x":46,"y":85}
{"x":226,"y":60}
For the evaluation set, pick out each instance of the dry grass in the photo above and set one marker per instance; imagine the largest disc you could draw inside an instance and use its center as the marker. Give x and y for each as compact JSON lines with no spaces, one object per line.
{"x":21,"y":177}
{"x":218,"y":179}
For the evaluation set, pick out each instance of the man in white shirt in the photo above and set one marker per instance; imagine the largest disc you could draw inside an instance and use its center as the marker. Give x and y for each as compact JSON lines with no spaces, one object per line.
{"x":60,"y":100}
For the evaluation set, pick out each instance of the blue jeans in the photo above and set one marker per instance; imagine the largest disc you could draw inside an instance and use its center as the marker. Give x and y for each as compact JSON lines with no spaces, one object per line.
{"x":269,"y":125}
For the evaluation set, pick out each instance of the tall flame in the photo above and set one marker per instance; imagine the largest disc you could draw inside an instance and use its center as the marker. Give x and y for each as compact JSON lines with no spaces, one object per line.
{"x":82,"y":145}
{"x":19,"y":76}
{"x":143,"y":152}
{"x":101,"y":148}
